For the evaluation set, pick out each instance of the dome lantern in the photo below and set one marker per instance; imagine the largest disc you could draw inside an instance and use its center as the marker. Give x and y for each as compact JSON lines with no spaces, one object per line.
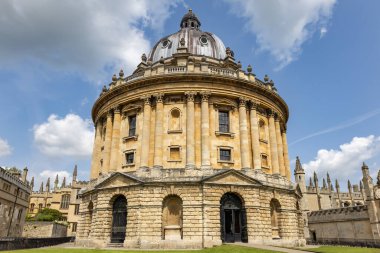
{"x":190,"y":20}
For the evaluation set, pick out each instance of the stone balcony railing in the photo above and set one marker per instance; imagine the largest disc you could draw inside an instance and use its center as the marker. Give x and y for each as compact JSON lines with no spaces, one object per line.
{"x":161,"y":69}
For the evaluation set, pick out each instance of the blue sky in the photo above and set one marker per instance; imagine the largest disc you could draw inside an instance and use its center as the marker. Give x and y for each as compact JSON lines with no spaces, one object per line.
{"x":323,"y":56}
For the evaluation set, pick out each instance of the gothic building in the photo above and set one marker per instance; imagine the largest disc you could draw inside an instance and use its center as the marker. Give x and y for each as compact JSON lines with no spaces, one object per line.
{"x":190,"y":151}
{"x":14,"y":197}
{"x":63,"y":196}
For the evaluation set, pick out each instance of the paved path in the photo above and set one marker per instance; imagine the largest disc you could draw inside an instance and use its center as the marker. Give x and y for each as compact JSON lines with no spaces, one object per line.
{"x":267,"y":247}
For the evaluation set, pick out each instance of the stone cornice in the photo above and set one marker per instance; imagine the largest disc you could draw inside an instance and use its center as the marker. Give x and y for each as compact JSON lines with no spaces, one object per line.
{"x":200,"y":81}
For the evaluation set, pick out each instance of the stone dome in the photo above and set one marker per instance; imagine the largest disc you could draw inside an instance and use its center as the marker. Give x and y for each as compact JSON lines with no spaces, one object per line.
{"x":197,"y":42}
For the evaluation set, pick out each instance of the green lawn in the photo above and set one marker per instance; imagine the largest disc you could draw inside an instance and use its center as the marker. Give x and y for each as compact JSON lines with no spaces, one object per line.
{"x":220,"y":249}
{"x":337,"y":249}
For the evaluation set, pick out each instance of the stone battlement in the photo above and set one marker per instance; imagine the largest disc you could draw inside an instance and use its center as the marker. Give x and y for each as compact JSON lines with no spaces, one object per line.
{"x":339,"y":214}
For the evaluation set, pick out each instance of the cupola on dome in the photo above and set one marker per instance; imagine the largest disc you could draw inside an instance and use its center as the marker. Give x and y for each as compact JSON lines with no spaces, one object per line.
{"x":196,"y":41}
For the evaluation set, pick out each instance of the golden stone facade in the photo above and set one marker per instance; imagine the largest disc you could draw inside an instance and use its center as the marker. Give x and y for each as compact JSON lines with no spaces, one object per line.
{"x":190,"y":151}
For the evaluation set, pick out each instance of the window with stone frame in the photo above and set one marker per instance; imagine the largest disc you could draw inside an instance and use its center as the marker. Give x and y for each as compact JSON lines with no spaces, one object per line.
{"x":19,"y":214}
{"x":275,"y":219}
{"x":262,"y":131}
{"x":225,"y":154}
{"x":174,"y":153}
{"x":65,"y":201}
{"x":264,"y":161}
{"x":224,"y":121}
{"x":132,"y":125}
{"x":172,"y":217}
{"x":31,"y":209}
{"x":175,"y":121}
{"x":130,"y":157}
{"x":76,"y":209}
{"x":40,"y":206}
{"x":74,"y":227}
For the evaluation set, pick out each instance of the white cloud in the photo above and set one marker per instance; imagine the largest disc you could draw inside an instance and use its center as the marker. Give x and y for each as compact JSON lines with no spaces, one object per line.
{"x":68,"y":136}
{"x":322,"y":32}
{"x":45,"y":174}
{"x":282,"y":26}
{"x":345,"y":163}
{"x":87,"y":37}
{"x":5,"y":148}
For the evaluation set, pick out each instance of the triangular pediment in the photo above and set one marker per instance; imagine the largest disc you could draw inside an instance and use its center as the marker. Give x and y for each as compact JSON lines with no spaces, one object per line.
{"x":231,"y":177}
{"x":118,"y":180}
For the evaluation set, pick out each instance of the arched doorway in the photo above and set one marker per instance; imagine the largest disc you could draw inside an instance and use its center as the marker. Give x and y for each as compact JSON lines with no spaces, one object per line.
{"x":119,"y":220}
{"x":233,"y":219}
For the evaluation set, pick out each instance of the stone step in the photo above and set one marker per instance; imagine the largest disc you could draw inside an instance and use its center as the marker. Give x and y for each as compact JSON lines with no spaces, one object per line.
{"x":115,"y":245}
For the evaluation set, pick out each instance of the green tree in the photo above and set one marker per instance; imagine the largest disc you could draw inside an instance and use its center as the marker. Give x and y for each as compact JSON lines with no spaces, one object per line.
{"x":48,"y":214}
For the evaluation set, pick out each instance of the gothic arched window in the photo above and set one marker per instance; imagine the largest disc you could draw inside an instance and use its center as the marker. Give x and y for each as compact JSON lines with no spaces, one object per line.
{"x":65,"y":201}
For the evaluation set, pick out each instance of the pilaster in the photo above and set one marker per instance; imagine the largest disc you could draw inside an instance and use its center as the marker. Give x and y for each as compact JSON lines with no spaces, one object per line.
{"x":114,"y":160}
{"x":157,"y":162}
{"x":190,"y":130}
{"x":286,"y":155}
{"x":280,"y":148}
{"x":244,"y":150}
{"x":255,"y":137}
{"x":107,"y":143}
{"x":205,"y":130}
{"x":145,"y":139}
{"x":273,"y":144}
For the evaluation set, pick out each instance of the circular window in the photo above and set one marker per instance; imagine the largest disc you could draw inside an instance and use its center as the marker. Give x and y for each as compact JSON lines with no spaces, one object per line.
{"x":165,"y":43}
{"x":203,"y":40}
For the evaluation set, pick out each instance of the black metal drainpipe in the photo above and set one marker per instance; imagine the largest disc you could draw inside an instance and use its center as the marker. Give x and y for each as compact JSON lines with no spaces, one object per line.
{"x":14,"y":205}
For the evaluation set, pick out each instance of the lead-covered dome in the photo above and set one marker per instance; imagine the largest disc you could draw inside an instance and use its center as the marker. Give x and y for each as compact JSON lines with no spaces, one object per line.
{"x":196,"y":41}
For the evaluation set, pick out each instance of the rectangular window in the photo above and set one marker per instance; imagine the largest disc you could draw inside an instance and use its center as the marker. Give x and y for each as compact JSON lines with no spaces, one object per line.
{"x":130,"y":158}
{"x":76,"y":210}
{"x":225,"y":155}
{"x":175,"y":154}
{"x":19,"y":215}
{"x":65,"y":201}
{"x":74,"y":228}
{"x":132,"y":125}
{"x":264,"y":161}
{"x":224,"y":121}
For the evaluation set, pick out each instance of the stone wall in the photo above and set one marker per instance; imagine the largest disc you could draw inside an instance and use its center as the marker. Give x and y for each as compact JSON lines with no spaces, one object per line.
{"x":201,"y":224}
{"x":44,"y":229}
{"x":349,"y":225}
{"x":27,"y":243}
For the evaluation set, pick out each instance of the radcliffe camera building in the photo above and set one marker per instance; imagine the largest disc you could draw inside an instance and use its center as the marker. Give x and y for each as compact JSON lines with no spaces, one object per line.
{"x":190,"y":151}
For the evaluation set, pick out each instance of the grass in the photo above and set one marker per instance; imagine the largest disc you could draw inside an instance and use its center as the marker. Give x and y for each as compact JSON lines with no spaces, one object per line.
{"x":342,"y":249}
{"x":220,"y":249}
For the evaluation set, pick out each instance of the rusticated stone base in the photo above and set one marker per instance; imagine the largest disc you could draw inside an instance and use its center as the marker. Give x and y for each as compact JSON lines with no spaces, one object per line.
{"x":200,"y":217}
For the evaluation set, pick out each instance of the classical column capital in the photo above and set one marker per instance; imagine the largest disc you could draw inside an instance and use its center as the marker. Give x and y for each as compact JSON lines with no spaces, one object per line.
{"x":254,"y":105}
{"x":110,"y":114}
{"x":159,"y":97}
{"x":117,"y":109}
{"x":270,"y":113}
{"x":242,"y":101}
{"x":146,"y":99}
{"x":205,"y":95}
{"x":190,"y":95}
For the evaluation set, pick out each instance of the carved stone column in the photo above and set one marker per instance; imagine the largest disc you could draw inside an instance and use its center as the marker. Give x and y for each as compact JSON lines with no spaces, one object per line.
{"x":286,"y":154}
{"x":157,"y":162}
{"x":95,"y":162}
{"x":244,"y":153}
{"x":205,"y":131}
{"x":145,"y":142}
{"x":255,"y":137}
{"x":273,"y":145}
{"x":280,"y":150}
{"x":114,"y":163}
{"x":107,"y":143}
{"x":190,"y":130}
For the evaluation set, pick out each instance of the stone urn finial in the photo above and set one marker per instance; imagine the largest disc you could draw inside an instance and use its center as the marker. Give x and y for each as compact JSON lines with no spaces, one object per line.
{"x":121,"y":73}
{"x":239,"y":65}
{"x":162,"y":60}
{"x":228,"y":51}
{"x":143,"y":57}
{"x":114,"y":78}
{"x":266,"y":78}
{"x":249,"y":68}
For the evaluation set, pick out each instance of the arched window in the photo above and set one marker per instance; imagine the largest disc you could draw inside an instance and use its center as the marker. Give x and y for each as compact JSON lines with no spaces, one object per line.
{"x":274,"y":215}
{"x":172,"y":217}
{"x":175,"y":120}
{"x":65,"y":201}
{"x":31,"y":209}
{"x":40,"y":206}
{"x":262,"y":134}
{"x":346,"y":204}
